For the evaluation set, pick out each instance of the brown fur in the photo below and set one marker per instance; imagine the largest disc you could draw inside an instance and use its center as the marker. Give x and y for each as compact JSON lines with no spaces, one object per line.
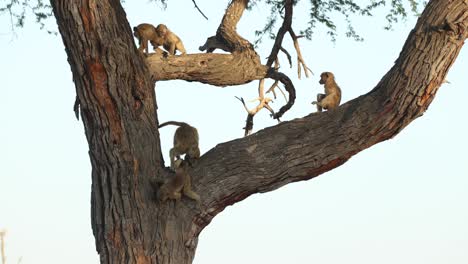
{"x":180,"y":184}
{"x":185,"y":141}
{"x":170,"y":41}
{"x":144,"y":33}
{"x":332,"y":97}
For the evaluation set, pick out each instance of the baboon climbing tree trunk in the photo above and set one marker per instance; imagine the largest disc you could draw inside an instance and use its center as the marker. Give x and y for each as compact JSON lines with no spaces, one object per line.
{"x":117,"y":103}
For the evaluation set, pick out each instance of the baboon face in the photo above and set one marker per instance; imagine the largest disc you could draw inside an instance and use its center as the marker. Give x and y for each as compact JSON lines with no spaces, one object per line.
{"x":325,"y":76}
{"x":161,"y":29}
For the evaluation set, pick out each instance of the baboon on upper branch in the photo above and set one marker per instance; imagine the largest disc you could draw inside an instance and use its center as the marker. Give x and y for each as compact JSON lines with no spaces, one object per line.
{"x":144,"y":33}
{"x":158,"y":36}
{"x":170,"y":41}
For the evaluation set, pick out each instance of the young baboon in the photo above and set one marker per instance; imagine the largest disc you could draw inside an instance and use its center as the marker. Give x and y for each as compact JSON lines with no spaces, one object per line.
{"x":170,"y":41}
{"x":332,"y":97}
{"x":144,"y":33}
{"x":180,"y":183}
{"x":185,"y":142}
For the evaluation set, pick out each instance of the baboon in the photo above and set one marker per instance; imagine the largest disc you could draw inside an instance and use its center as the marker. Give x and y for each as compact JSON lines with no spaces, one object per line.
{"x":180,"y":184}
{"x":332,"y":97}
{"x":170,"y":41}
{"x":212,"y":43}
{"x":144,"y":33}
{"x":185,"y":142}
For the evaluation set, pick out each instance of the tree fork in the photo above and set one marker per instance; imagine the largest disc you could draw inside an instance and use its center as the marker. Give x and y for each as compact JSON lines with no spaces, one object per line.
{"x":118,"y":110}
{"x":307,"y":147}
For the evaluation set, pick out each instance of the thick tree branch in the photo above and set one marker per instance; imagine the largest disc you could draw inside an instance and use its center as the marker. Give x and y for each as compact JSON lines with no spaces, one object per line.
{"x":240,"y":67}
{"x":210,"y":68}
{"x":227,"y":30}
{"x":306,"y":147}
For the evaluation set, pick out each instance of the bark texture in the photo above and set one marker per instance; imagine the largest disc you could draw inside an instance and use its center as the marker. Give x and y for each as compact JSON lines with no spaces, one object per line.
{"x":118,"y":108}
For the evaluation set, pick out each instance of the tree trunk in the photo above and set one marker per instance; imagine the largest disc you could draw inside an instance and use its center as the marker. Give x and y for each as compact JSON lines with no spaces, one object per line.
{"x":118,"y":107}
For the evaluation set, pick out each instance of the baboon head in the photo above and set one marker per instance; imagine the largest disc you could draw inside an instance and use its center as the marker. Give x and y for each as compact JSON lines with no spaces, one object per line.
{"x":181,"y":165}
{"x":325,"y":76}
{"x":162,"y":30}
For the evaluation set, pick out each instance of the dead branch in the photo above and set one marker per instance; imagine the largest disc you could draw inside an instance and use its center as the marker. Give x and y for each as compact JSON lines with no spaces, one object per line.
{"x":249,"y":121}
{"x":263,"y":103}
{"x":272,"y":89}
{"x":275,"y":84}
{"x":288,"y":85}
{"x":287,"y":55}
{"x":196,"y":6}
{"x":300,"y":60}
{"x":287,"y":27}
{"x":251,"y":113}
{"x":287,"y":22}
{"x":230,"y":69}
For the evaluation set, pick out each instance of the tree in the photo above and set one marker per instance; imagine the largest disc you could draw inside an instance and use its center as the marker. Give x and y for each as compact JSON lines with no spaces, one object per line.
{"x":124,"y":145}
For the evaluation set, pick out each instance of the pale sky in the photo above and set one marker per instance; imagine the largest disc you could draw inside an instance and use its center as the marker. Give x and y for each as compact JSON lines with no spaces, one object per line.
{"x":402,"y":201}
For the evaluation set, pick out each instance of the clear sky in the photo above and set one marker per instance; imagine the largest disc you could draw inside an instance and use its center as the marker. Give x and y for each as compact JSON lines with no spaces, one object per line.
{"x":402,"y":201}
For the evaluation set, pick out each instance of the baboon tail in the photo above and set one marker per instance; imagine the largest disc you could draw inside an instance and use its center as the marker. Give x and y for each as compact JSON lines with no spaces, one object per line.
{"x":174,"y":123}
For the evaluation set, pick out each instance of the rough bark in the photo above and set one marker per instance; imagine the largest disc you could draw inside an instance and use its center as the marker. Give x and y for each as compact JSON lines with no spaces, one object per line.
{"x":118,"y":108}
{"x":215,"y":69}
{"x":307,"y":147}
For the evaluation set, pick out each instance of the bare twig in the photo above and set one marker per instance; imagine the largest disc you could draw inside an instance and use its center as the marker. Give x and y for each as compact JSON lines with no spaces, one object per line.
{"x":249,"y":121}
{"x":196,"y":6}
{"x":275,"y":84}
{"x":262,"y":100}
{"x":288,"y":55}
{"x":288,"y":85}
{"x":263,"y":103}
{"x":300,"y":60}
{"x":272,"y":89}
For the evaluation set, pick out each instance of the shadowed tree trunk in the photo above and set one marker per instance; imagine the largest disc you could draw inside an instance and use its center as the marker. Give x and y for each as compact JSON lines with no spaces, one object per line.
{"x":115,"y":92}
